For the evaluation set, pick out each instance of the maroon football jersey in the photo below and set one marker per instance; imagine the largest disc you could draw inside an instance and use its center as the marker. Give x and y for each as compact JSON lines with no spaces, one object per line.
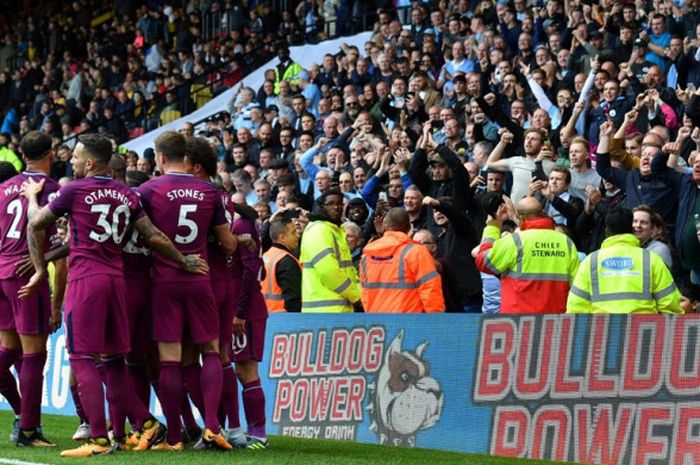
{"x":185,"y":209}
{"x":99,"y":210}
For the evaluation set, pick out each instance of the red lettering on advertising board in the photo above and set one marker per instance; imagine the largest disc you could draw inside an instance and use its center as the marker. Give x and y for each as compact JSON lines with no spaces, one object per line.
{"x":684,"y":369}
{"x":645,"y":338}
{"x":648,"y":446}
{"x":280,"y":345}
{"x":565,"y":385}
{"x":283,"y":398}
{"x":300,"y":399}
{"x":599,"y":438}
{"x":321,"y":368}
{"x":599,"y":385}
{"x":526,"y":386}
{"x":551,"y":421}
{"x":294,"y":357}
{"x":356,"y":350}
{"x":375,"y":348}
{"x":495,"y":360}
{"x":320,"y":398}
{"x":356,"y":392}
{"x":509,"y":436}
{"x":347,"y":398}
{"x":308,"y":368}
{"x":339,"y":344}
{"x":686,"y":437}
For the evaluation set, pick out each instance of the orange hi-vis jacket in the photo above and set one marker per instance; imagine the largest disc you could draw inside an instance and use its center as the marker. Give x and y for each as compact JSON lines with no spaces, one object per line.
{"x":398,"y":275}
{"x":272,"y":292}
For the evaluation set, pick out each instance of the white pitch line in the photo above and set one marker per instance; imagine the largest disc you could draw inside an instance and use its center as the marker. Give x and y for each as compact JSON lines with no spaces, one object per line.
{"x":19,"y":462}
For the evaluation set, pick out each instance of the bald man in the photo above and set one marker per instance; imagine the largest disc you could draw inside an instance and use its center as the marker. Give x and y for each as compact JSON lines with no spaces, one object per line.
{"x":537,"y":264}
{"x":397,"y":274}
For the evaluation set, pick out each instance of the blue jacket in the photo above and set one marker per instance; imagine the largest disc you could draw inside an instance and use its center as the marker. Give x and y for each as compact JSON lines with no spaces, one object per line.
{"x":652,"y":190}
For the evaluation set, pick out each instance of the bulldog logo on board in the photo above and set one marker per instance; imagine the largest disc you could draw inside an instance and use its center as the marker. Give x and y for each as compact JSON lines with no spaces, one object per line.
{"x":405,"y":399}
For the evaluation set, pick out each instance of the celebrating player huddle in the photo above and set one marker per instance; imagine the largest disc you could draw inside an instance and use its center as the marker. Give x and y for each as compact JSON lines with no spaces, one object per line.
{"x":172,"y":260}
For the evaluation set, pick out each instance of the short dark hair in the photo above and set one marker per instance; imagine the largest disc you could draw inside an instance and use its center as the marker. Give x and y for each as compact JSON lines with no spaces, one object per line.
{"x":279,"y":226}
{"x":117,"y":165}
{"x":97,"y":147}
{"x":7,"y":170}
{"x":619,"y":221}
{"x":36,"y":145}
{"x":565,"y":171}
{"x":242,"y":175}
{"x":200,"y":152}
{"x":172,"y":145}
{"x":135,"y":178}
{"x":285,"y":179}
{"x":397,"y":219}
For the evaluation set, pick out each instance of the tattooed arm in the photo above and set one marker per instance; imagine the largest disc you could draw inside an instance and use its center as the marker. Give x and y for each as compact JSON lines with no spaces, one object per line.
{"x":160,"y":242}
{"x":36,"y":238}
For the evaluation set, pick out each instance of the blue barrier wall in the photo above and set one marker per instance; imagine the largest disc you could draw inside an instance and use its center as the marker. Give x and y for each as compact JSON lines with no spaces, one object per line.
{"x":612,"y":390}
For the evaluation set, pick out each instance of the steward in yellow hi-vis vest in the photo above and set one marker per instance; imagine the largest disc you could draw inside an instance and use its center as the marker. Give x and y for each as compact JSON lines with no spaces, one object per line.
{"x":287,"y":69}
{"x":622,"y":277}
{"x":329,"y":281}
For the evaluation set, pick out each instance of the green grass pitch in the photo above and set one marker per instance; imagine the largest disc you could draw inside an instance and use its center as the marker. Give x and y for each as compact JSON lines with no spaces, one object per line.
{"x":283,"y":450}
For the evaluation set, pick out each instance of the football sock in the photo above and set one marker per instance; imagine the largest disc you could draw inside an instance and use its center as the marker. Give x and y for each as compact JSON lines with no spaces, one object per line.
{"x":254,"y":405}
{"x":229,"y":396}
{"x":138,"y":372}
{"x":192,"y":375}
{"x":170,"y":392}
{"x":31,"y":382}
{"x":119,"y":394}
{"x":8,"y":357}
{"x":91,"y":394}
{"x":211,"y":383}
{"x":8,"y":389}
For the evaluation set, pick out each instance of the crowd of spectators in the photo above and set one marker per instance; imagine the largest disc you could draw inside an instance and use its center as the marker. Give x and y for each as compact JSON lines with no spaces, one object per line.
{"x":114,"y":67}
{"x":453,"y":108}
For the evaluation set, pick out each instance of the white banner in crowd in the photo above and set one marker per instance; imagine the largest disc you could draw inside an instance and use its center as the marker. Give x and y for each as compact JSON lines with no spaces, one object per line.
{"x":305,"y":55}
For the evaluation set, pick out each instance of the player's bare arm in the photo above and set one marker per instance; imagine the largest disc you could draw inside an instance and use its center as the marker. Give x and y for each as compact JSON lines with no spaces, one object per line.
{"x":160,"y":242}
{"x":36,"y":238}
{"x":25,"y":267}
